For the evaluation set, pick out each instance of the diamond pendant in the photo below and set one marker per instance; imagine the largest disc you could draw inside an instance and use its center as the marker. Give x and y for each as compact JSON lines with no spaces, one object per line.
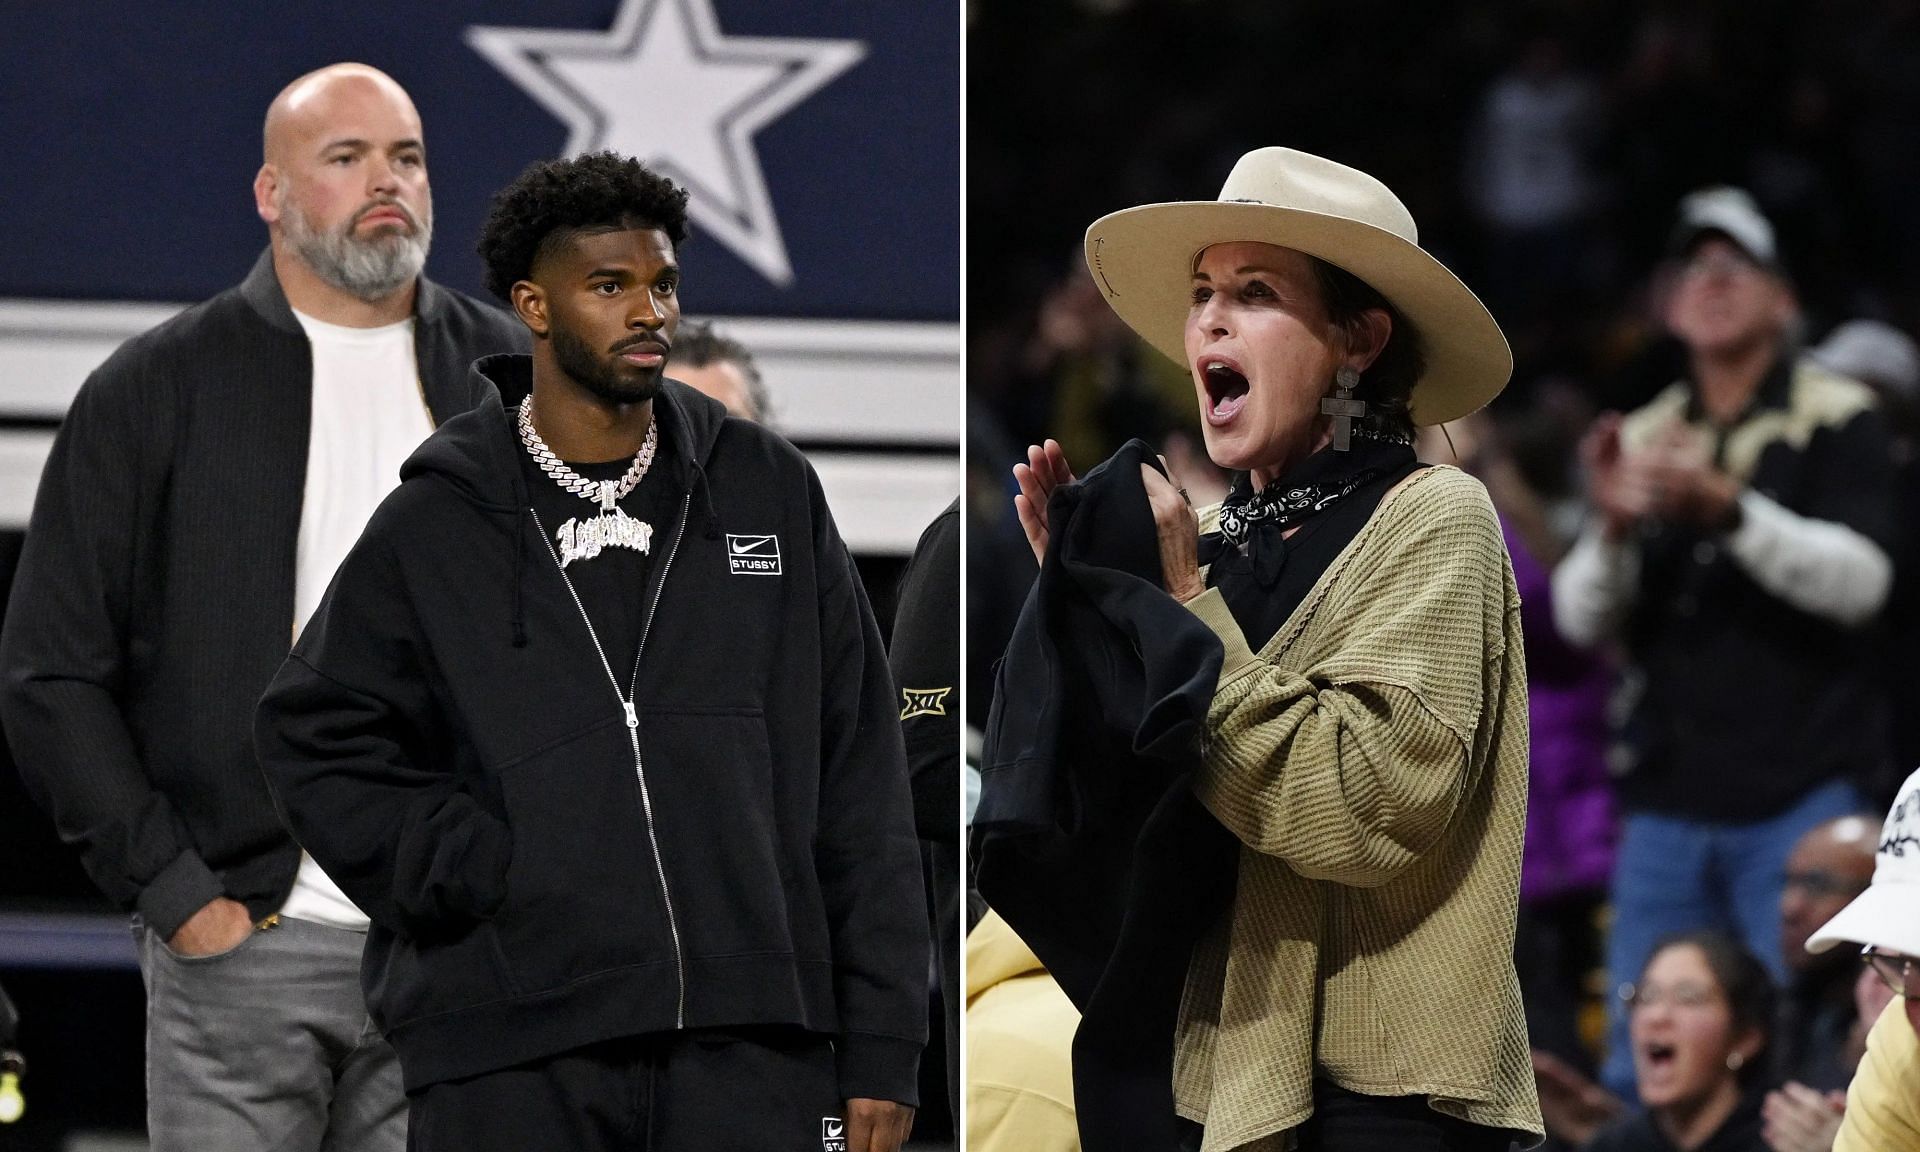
{"x":585,"y":539}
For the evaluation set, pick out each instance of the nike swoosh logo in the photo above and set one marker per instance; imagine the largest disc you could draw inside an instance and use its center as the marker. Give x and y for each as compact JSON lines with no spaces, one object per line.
{"x":742,"y":549}
{"x":835,"y":1129}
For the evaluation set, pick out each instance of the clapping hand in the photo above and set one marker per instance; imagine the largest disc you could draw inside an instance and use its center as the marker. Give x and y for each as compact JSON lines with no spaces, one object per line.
{"x":1798,"y":1119}
{"x":1045,"y":469}
{"x":1174,"y":521}
{"x":1178,"y":530}
{"x":1685,"y":485}
{"x":1620,"y":485}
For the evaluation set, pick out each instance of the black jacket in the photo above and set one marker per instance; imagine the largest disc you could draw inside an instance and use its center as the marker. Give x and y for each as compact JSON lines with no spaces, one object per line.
{"x":926,"y":666}
{"x":154,"y":598}
{"x":1090,"y":842}
{"x":541,"y":875}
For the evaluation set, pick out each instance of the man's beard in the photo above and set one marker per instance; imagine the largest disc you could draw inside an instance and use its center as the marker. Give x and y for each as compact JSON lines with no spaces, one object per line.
{"x":600,"y":378}
{"x":370,"y":269}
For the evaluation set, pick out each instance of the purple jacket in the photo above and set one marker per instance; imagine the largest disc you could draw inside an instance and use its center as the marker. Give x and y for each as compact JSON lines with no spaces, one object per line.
{"x":1570,"y":807}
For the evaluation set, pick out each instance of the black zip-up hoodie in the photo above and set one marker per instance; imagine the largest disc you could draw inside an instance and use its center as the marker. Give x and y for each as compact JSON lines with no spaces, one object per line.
{"x":542,"y":871}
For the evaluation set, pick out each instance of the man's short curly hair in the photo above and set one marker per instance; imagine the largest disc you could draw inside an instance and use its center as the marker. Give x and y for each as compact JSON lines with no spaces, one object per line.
{"x":554,"y":199}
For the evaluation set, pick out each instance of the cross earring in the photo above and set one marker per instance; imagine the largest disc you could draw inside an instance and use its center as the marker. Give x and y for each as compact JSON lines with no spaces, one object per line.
{"x":1343,"y":407}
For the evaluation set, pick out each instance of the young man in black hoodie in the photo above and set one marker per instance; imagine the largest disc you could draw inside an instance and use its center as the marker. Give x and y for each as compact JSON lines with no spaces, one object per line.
{"x":596,"y":726}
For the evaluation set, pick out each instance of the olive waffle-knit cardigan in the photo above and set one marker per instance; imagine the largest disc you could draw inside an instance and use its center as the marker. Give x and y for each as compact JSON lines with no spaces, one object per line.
{"x":1372,"y":761}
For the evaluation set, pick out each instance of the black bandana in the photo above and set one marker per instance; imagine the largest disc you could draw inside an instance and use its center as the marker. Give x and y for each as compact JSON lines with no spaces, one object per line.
{"x":1252,"y":523}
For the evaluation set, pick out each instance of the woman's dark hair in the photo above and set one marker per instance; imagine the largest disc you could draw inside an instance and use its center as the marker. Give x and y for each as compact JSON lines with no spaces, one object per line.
{"x":1743,"y":981}
{"x":555,"y":199}
{"x":1387,"y":384}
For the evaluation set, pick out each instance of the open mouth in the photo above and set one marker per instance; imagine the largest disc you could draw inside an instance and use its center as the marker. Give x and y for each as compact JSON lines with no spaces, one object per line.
{"x":1658,"y":1056}
{"x":1227,"y":389}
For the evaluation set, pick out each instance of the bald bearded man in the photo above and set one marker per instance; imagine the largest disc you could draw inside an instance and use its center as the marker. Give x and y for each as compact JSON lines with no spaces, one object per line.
{"x":205,"y":484}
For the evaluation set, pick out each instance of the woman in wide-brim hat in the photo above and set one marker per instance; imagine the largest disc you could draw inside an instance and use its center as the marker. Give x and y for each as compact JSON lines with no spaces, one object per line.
{"x":1367,"y":738}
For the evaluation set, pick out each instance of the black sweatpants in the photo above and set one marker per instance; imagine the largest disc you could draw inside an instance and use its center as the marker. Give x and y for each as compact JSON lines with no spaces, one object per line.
{"x":730,"y":1090}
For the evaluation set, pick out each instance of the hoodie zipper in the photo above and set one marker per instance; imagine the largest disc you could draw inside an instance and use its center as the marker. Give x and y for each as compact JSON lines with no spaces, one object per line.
{"x":632,"y":719}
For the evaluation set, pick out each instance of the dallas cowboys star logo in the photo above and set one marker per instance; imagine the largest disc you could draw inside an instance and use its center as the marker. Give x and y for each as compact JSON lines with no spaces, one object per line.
{"x":666,"y":86}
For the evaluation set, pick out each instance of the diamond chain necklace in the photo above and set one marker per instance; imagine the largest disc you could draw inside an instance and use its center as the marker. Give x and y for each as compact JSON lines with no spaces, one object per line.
{"x":607,"y":492}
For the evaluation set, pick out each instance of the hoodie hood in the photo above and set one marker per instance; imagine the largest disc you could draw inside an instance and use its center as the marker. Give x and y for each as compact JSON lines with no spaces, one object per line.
{"x":478,"y":451}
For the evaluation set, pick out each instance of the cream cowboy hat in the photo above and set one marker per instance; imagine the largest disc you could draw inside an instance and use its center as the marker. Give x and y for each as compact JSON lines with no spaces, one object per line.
{"x":1142,"y":259}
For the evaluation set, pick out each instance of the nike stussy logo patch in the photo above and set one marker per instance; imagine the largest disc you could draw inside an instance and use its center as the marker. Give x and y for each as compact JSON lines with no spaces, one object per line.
{"x":753,"y":555}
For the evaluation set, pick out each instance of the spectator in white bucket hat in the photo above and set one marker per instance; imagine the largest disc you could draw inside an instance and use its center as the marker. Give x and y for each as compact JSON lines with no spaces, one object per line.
{"x":1883,"y":1103}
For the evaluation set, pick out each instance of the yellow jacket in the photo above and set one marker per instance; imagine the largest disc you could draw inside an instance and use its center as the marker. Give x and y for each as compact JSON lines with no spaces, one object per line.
{"x":1019,"y":1048}
{"x":1372,"y":760}
{"x":1883,"y":1102}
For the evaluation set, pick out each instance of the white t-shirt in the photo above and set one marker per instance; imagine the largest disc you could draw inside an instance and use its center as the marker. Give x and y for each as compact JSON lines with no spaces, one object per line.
{"x":369,"y":414}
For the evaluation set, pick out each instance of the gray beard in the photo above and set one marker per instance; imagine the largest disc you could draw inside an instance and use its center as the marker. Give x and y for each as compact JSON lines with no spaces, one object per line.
{"x":370,"y":269}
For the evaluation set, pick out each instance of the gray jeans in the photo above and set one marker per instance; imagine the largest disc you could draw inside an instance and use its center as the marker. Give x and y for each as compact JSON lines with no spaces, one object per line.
{"x":267,"y":1046}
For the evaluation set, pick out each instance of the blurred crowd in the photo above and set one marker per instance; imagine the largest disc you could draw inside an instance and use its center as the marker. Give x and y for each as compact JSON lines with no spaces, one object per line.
{"x":1542,"y":148}
{"x":1717,"y":554}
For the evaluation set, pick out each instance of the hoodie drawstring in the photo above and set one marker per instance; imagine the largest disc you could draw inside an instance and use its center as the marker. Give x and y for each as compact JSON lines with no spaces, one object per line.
{"x":519,"y":564}
{"x":706,"y":497}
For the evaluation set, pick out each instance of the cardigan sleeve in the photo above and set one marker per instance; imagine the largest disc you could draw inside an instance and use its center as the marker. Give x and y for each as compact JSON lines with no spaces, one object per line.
{"x":1350,"y":764}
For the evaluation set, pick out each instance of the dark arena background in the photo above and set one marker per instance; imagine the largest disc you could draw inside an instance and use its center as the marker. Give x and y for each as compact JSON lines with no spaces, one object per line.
{"x":821,"y":144}
{"x":1544,"y":149}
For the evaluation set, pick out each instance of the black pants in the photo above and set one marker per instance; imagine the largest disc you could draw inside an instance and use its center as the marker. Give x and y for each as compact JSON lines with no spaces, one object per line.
{"x":733,"y":1090}
{"x":1556,"y":944}
{"x":1344,"y":1121}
